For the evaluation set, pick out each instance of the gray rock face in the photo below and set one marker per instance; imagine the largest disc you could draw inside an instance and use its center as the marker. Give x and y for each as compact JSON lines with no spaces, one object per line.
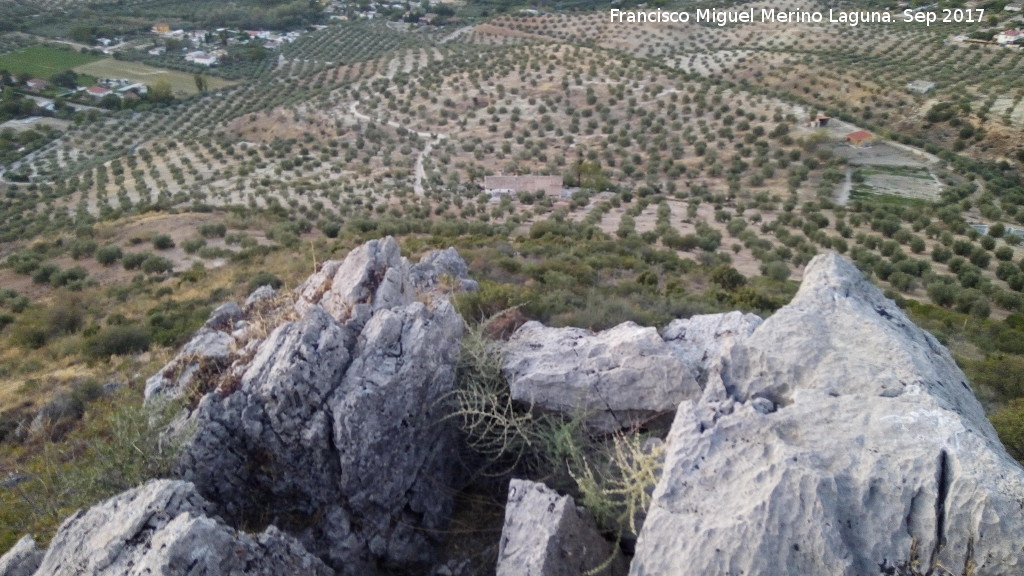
{"x":372,"y":277}
{"x":700,"y":341}
{"x":618,"y":378}
{"x":837,"y":439}
{"x":209,"y":349}
{"x":164,"y":528}
{"x":259,"y":296}
{"x":548,"y":535}
{"x":224,"y":316}
{"x":337,"y":429}
{"x":21,"y":560}
{"x":442,"y":265}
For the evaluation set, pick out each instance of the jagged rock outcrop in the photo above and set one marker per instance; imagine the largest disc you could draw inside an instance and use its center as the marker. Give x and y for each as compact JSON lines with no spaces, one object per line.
{"x":165,"y":528}
{"x":337,"y":426}
{"x":217,"y":352}
{"x":548,"y":535}
{"x":617,"y":378}
{"x":838,"y":438}
{"x":21,"y":560}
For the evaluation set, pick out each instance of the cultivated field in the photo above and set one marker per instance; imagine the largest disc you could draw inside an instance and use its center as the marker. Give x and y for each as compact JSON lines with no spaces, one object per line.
{"x":43,"y":61}
{"x":181,"y":82}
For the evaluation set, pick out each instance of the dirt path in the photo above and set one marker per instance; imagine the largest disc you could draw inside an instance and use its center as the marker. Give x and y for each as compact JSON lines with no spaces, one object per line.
{"x":455,"y":34}
{"x":843,"y":198}
{"x":430,"y":138}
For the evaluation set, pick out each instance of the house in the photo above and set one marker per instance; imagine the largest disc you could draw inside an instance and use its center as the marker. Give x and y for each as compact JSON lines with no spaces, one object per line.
{"x":1009,"y":36}
{"x":920,"y":86}
{"x":859,"y":138}
{"x":136,"y":88}
{"x":161,"y":28}
{"x":36,"y":84}
{"x":822,"y":120}
{"x":550,"y":185}
{"x":201,"y":58}
{"x":98,"y":91}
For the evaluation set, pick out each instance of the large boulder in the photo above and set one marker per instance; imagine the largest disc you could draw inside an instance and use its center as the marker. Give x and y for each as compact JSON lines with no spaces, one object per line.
{"x":546,"y":534}
{"x":838,"y":438}
{"x":164,"y":528}
{"x":338,"y":425}
{"x":21,"y":560}
{"x":617,"y":378}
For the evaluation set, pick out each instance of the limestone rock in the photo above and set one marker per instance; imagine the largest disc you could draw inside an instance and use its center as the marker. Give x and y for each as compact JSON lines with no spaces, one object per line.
{"x":164,"y":528}
{"x":372,"y":277}
{"x":439,"y":266}
{"x":618,"y":378}
{"x":337,"y":428}
{"x":21,"y":560}
{"x":700,"y":341}
{"x":209,"y":349}
{"x":260,"y":295}
{"x":837,"y":439}
{"x":376,"y":276}
{"x":224,"y":316}
{"x":548,"y":535}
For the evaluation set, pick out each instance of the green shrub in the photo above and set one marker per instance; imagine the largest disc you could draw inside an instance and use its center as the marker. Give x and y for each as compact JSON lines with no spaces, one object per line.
{"x":173,"y":322}
{"x":69,"y":277}
{"x":213,"y":230}
{"x":193,"y":245}
{"x":330,"y":228}
{"x":44,"y":273}
{"x":1009,"y":424}
{"x":1000,"y":373}
{"x":264,"y":278}
{"x":727,"y":277}
{"x":154,"y":264}
{"x":775,"y":270}
{"x":82,"y":248}
{"x":109,"y":254}
{"x":24,"y":262}
{"x":163,"y":242}
{"x":134,"y":260}
{"x":943,"y":294}
{"x":117,"y":340}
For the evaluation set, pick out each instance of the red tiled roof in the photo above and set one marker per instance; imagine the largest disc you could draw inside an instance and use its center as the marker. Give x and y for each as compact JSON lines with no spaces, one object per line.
{"x":859,"y":136}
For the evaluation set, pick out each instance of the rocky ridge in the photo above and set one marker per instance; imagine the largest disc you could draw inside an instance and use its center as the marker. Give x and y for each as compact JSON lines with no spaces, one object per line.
{"x":834,"y":437}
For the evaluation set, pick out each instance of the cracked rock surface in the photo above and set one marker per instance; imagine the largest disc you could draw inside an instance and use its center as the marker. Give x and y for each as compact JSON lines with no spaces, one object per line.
{"x":617,"y":378}
{"x":165,"y":528}
{"x":337,"y":431}
{"x":546,"y":534}
{"x":838,"y":438}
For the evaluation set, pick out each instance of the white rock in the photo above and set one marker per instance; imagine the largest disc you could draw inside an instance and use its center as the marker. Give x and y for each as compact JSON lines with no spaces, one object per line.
{"x":617,"y":378}
{"x":21,"y":560}
{"x":548,"y":535}
{"x":700,"y":341}
{"x":837,"y":439}
{"x":163,"y":528}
